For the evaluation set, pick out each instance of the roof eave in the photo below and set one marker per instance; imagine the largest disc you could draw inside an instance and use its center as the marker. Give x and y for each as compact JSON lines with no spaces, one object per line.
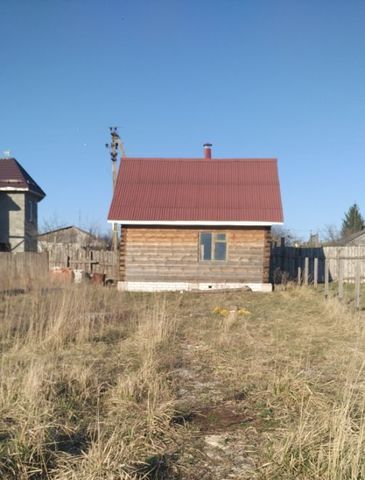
{"x":23,"y":190}
{"x":14,"y":189}
{"x":243,"y":223}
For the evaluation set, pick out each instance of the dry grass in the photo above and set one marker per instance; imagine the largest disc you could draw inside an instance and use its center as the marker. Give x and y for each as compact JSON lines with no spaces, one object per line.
{"x":81,"y":393}
{"x":300,"y":362}
{"x":98,"y":385}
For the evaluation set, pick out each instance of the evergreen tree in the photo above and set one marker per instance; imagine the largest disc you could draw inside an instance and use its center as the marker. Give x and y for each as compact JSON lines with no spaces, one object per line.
{"x":353,"y":221}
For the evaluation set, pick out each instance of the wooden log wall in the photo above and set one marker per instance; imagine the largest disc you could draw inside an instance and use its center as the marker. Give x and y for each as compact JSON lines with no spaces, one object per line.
{"x":267,"y":254}
{"x":172,"y":254}
{"x":122,"y":251}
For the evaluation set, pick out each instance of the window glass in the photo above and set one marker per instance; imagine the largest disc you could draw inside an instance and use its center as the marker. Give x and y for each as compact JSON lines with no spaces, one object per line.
{"x":220,"y":249}
{"x":213,"y":246}
{"x":206,"y":246}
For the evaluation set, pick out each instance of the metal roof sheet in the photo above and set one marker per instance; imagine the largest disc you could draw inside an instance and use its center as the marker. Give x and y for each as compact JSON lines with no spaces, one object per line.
{"x":13,"y":177}
{"x":224,"y":190}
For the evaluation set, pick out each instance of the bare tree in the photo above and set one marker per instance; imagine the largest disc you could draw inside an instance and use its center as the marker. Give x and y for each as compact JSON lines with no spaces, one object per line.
{"x":52,"y":223}
{"x":278,"y":232}
{"x":331,"y":234}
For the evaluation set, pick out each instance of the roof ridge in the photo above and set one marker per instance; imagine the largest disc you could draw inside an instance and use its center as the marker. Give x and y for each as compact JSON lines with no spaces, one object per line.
{"x":215,"y":159}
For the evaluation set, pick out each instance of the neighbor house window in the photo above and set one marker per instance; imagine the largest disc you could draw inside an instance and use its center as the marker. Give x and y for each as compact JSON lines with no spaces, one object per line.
{"x":213,"y":246}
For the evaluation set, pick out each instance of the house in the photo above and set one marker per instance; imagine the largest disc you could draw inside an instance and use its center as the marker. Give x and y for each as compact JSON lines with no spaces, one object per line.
{"x":195,"y":223}
{"x":19,"y":197}
{"x":356,"y":239}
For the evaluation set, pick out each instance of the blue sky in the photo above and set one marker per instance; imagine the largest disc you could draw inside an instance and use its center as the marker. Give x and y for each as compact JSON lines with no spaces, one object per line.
{"x":257,"y":78}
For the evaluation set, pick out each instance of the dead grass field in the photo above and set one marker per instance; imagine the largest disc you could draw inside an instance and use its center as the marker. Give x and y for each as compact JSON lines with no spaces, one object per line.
{"x":99,"y":385}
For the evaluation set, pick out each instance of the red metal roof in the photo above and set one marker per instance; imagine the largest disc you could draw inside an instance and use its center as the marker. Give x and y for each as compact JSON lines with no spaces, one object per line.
{"x":222,"y":190}
{"x":13,"y":177}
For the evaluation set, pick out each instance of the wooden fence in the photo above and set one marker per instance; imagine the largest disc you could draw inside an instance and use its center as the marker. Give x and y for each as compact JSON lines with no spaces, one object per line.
{"x":308,"y":264}
{"x":345,"y":265}
{"x":88,"y":259}
{"x":19,"y":269}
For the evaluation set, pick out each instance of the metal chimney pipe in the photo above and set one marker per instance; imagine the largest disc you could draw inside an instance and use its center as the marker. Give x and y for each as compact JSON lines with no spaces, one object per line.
{"x":207,"y":151}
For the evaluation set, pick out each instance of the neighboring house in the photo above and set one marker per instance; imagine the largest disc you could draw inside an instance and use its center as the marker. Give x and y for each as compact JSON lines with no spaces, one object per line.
{"x":75,"y":248}
{"x":69,"y":236}
{"x":19,"y":197}
{"x":195,"y":223}
{"x":356,"y":239}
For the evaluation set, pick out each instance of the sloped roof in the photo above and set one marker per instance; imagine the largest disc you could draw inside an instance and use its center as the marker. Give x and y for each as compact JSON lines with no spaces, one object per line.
{"x":152,"y":190}
{"x":351,"y":238}
{"x":13,"y":177}
{"x":70,"y":234}
{"x":65,"y":228}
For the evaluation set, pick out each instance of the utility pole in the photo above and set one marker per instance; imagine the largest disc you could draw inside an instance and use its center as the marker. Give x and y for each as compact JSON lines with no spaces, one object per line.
{"x":115,"y":145}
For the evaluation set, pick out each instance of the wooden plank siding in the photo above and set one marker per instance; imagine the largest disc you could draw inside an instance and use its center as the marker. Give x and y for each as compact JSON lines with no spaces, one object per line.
{"x":172,"y":254}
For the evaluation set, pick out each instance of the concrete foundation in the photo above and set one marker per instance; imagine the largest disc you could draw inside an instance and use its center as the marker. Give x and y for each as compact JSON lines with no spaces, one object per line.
{"x":189,"y":286}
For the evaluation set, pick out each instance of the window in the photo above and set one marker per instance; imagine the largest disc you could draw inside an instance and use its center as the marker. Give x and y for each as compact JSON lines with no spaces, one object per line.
{"x":213,"y":246}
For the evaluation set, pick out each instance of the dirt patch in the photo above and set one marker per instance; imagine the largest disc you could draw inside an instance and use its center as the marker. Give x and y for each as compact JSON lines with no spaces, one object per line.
{"x":220,"y":418}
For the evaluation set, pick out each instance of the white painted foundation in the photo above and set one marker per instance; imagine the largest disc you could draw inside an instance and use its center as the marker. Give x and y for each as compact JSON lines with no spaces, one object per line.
{"x":188,"y":286}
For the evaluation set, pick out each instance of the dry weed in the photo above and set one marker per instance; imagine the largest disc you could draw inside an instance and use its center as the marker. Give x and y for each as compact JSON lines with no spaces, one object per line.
{"x":90,"y":382}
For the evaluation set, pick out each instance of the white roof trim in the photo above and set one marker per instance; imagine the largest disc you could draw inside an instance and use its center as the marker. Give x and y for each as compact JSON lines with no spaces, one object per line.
{"x":20,"y":189}
{"x":195,"y":222}
{"x":13,"y":189}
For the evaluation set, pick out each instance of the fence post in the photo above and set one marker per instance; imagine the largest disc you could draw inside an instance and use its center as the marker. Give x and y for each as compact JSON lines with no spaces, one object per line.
{"x":358,"y":284}
{"x":340,"y":278}
{"x":326,"y":278}
{"x":315,"y":273}
{"x":282,"y":253}
{"x":299,"y":279}
{"x":306,"y":271}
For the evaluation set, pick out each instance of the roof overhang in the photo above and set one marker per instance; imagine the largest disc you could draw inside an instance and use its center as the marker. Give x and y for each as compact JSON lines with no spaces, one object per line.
{"x":213,"y":223}
{"x":22,"y":190}
{"x":13,"y":189}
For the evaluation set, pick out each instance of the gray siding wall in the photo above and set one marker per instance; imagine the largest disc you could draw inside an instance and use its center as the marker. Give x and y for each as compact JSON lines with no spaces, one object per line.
{"x":17,"y":227}
{"x":12,"y":220}
{"x":31,"y":223}
{"x":6,"y":204}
